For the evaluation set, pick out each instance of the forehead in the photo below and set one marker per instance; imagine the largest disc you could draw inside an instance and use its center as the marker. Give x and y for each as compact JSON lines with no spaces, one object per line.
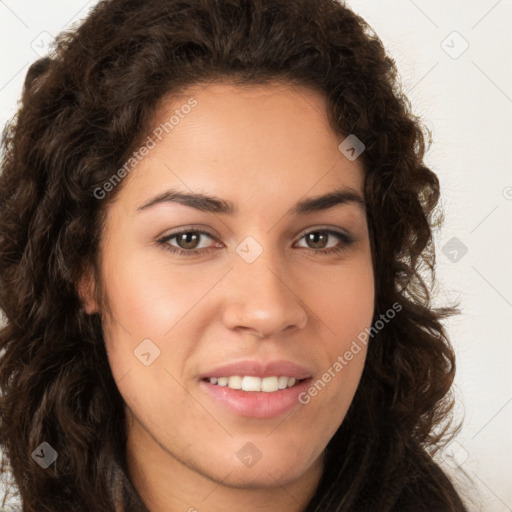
{"x":245,"y":140}
{"x":239,"y":112}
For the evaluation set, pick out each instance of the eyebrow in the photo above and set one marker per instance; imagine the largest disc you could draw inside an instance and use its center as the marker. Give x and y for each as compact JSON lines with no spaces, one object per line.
{"x":213,"y":204}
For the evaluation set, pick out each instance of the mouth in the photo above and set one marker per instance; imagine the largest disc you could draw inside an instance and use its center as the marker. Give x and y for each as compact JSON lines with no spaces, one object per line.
{"x":255,"y":388}
{"x":253,"y":384}
{"x":255,"y":397}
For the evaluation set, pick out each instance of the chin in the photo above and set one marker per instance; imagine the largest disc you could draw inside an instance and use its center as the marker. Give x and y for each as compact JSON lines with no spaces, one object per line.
{"x":275,"y":465}
{"x":263,"y":475}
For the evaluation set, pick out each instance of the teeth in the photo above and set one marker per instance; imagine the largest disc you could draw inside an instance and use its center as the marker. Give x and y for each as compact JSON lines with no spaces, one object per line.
{"x":235,"y":382}
{"x":250,"y":383}
{"x":282,"y":382}
{"x":270,"y":384}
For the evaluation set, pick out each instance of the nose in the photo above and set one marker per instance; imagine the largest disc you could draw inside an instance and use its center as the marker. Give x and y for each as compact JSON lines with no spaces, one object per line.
{"x":260,"y":298}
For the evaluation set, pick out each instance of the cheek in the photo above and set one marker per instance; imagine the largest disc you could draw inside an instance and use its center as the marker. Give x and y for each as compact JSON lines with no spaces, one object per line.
{"x":152,"y":313}
{"x":147,"y":296}
{"x":345,"y":306}
{"x":345,"y":301}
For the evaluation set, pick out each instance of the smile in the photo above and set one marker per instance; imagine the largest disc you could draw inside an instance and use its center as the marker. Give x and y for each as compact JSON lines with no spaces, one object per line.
{"x":251,"y":383}
{"x":261,"y":398}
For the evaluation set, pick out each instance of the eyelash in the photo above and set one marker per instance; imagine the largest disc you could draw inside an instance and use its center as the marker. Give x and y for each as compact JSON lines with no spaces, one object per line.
{"x":345,"y":239}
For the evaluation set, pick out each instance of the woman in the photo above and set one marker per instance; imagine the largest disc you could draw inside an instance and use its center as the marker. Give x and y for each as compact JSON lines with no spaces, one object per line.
{"x":213,"y":219}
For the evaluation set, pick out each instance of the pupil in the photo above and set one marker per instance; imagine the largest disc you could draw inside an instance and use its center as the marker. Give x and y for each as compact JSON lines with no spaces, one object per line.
{"x":315,"y":236}
{"x":187,"y":237}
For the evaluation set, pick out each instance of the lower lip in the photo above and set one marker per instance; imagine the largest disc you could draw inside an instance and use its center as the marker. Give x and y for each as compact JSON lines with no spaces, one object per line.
{"x":257,"y":404}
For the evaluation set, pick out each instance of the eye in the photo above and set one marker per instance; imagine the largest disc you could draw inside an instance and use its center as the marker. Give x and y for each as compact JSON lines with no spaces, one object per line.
{"x":320,"y":236}
{"x":188,"y":242}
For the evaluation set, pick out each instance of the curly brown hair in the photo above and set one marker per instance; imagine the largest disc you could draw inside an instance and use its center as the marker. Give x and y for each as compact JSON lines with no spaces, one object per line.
{"x":84,"y":110}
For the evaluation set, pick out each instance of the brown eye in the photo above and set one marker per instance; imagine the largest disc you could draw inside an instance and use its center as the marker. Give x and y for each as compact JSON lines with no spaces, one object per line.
{"x":188,"y":240}
{"x":317,"y":241}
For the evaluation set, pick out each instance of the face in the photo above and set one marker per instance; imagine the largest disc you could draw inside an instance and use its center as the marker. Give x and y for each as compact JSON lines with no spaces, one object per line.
{"x":266,"y":296}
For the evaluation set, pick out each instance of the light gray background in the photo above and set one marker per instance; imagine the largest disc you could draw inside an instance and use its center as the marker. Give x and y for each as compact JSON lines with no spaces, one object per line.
{"x":464,"y":95}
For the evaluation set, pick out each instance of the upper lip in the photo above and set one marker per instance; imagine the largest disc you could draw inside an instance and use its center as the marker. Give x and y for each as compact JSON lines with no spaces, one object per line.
{"x":261,"y":369}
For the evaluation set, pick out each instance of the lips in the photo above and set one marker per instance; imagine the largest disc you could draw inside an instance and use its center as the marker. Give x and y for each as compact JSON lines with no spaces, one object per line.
{"x":256,"y":389}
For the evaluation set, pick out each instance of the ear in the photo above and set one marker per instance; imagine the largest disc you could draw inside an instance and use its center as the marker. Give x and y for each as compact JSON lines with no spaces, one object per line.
{"x":87,"y":291}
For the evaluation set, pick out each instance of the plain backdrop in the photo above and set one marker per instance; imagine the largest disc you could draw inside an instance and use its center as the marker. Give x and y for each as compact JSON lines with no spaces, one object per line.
{"x":455,"y":67}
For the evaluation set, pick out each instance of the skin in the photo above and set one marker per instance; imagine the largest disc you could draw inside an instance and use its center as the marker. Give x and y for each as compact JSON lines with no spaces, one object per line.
{"x":264,"y":148}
